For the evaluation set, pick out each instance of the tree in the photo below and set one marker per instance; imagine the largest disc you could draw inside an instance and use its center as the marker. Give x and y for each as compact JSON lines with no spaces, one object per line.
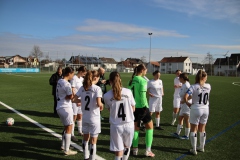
{"x":208,"y":60}
{"x":36,"y":52}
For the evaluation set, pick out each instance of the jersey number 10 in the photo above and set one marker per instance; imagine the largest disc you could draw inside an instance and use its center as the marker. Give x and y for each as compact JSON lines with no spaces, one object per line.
{"x":204,"y":99}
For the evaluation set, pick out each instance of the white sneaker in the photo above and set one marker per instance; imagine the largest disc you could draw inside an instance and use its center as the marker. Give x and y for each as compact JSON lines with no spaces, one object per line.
{"x":70,"y":152}
{"x":149,"y":154}
{"x":193,"y":152}
{"x":135,"y":151}
{"x":63,"y":147}
{"x":200,"y":149}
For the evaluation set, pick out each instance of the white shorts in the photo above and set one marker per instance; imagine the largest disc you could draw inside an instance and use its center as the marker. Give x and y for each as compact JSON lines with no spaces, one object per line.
{"x":79,"y":110}
{"x":185,"y":110}
{"x":155,"y":104}
{"x":91,"y":128}
{"x":75,"y":108}
{"x":120,"y":136}
{"x":199,"y":116}
{"x":176,"y":102}
{"x":66,"y":116}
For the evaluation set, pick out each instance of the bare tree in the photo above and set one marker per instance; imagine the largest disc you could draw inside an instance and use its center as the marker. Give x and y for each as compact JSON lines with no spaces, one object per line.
{"x":208,"y":60}
{"x":36,"y":52}
{"x":143,"y":59}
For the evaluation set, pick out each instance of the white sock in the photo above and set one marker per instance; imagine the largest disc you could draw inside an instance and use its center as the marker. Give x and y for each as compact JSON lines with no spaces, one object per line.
{"x":179,"y":127}
{"x":93,"y":151}
{"x":63,"y":138}
{"x":79,"y":125}
{"x":148,"y":149}
{"x":202,"y":138}
{"x":73,"y":126}
{"x":118,"y":158}
{"x":193,"y":138}
{"x":67,"y":141}
{"x":85,"y":150}
{"x":187,"y":131}
{"x":126,"y":153}
{"x":157,"y":122}
{"x":174,"y":115}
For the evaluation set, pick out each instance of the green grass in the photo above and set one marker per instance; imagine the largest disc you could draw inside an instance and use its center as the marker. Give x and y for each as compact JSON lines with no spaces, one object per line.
{"x":32,"y":97}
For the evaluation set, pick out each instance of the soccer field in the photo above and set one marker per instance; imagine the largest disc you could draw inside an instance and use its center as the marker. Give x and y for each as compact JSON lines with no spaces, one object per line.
{"x":30,"y":94}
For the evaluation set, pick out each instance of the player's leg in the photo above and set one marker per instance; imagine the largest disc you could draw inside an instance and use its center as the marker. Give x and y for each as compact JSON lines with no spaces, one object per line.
{"x":187,"y":124}
{"x":157,"y":113}
{"x":86,"y":137}
{"x":94,"y":130}
{"x":116,"y":140}
{"x":127,"y":139}
{"x":79,"y":124}
{"x":176,"y":106}
{"x":73,"y":138}
{"x":202,"y":131}
{"x":149,"y":138}
{"x":136,"y":130}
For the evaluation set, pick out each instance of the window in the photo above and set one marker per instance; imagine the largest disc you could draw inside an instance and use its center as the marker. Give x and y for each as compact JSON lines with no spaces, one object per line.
{"x":189,"y":70}
{"x":230,"y":67}
{"x":163,"y":70}
{"x":170,"y":64}
{"x":186,"y":70}
{"x":189,"y":64}
{"x":163,"y":64}
{"x":95,"y":65}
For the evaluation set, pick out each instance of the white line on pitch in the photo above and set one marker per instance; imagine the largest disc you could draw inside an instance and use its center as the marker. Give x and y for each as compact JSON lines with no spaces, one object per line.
{"x":45,"y":128}
{"x":236,"y":83}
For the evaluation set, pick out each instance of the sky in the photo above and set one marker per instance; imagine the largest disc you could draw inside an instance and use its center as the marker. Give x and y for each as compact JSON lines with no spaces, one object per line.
{"x":119,"y":28}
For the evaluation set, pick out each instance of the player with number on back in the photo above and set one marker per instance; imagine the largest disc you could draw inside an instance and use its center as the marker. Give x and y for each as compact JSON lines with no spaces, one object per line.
{"x":64,"y":108}
{"x":199,"y":111}
{"x":138,"y":85}
{"x":76,"y":83}
{"x":91,"y":105}
{"x":121,"y":104}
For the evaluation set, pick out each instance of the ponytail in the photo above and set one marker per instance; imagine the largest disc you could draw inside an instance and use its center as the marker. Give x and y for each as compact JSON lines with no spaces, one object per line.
{"x":134,"y":73}
{"x":184,"y":76}
{"x":199,"y":77}
{"x":88,"y":79}
{"x":137,"y":70}
{"x":115,"y":80}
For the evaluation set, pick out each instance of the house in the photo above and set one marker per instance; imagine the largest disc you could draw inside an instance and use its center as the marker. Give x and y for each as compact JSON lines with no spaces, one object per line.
{"x":91,"y":63}
{"x":171,"y":64}
{"x":153,"y":66}
{"x":109,"y":64}
{"x":228,"y":66}
{"x":196,"y":67}
{"x":126,"y":66}
{"x":135,"y":61}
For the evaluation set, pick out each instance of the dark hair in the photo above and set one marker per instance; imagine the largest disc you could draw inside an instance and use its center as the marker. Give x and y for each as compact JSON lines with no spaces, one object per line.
{"x":66,"y":71}
{"x":184,"y":76}
{"x":59,"y":68}
{"x":89,"y":78}
{"x":155,"y":72}
{"x":201,"y":74}
{"x":177,"y":70}
{"x":115,"y":78}
{"x":137,"y":70}
{"x":81,"y":69}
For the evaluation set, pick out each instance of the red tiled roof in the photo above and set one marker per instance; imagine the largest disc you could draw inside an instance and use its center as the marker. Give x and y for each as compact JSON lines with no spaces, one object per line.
{"x":173,"y":59}
{"x":127,"y":64}
{"x":155,"y":63}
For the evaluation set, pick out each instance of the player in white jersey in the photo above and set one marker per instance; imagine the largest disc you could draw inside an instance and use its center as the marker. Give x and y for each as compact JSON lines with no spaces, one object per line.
{"x":185,"y":110}
{"x":91,"y":105}
{"x":156,"y":91}
{"x":76,"y":83}
{"x":64,"y":108}
{"x":176,"y":97}
{"x":199,"y":111}
{"x":121,"y":104}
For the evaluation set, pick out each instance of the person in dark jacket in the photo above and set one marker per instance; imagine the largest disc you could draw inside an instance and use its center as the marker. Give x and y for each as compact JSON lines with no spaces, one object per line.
{"x":102,"y":83}
{"x":53,"y":82}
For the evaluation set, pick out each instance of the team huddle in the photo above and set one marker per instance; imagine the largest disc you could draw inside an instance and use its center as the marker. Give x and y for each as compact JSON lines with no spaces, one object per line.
{"x":80,"y":99}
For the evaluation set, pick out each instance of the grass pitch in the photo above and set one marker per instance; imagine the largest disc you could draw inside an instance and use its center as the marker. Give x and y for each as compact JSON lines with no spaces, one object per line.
{"x":30,"y":94}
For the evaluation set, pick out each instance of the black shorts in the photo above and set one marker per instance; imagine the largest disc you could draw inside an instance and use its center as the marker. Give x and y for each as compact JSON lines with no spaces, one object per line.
{"x":142,"y":114}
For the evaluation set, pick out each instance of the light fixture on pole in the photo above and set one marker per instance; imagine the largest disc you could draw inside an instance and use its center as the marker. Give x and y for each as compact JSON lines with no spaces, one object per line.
{"x":150,"y":34}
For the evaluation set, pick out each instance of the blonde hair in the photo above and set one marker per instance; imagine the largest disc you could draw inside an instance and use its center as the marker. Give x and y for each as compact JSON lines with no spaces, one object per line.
{"x":199,"y":77}
{"x":89,"y":78}
{"x":115,"y":80}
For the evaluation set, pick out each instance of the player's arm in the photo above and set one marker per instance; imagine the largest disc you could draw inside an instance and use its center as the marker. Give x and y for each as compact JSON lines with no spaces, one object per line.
{"x":99,"y":103}
{"x":187,"y":96}
{"x":162,"y":91}
{"x":75,"y":98}
{"x":133,"y":108}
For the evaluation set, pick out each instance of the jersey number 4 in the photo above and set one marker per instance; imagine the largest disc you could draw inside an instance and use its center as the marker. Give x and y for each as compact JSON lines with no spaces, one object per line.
{"x":121,"y":113}
{"x":204,"y":99}
{"x":87,"y":98}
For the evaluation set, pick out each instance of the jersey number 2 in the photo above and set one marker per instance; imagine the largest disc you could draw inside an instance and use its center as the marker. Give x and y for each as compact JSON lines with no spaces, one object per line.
{"x":87,"y":98}
{"x":121,"y":113}
{"x":205,"y":98}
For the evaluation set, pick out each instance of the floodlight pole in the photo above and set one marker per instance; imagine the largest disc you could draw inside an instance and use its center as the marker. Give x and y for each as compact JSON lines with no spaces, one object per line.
{"x":150,"y":51}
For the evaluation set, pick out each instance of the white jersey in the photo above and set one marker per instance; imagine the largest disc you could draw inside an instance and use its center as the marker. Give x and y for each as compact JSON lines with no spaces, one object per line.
{"x":155,"y":87}
{"x":76,"y":83}
{"x":90,"y":110}
{"x":200,"y":95}
{"x":63,"y":89}
{"x":120,"y":111}
{"x":177,"y":90}
{"x":184,"y":90}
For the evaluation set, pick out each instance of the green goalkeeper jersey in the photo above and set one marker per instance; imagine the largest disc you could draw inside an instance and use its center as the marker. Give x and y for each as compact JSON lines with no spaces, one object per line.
{"x":139,"y":90}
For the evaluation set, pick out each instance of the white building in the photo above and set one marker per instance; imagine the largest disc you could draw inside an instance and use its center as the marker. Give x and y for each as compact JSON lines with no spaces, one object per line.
{"x":153,"y":66}
{"x":171,"y":64}
{"x":229,"y":66}
{"x":109,"y":64}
